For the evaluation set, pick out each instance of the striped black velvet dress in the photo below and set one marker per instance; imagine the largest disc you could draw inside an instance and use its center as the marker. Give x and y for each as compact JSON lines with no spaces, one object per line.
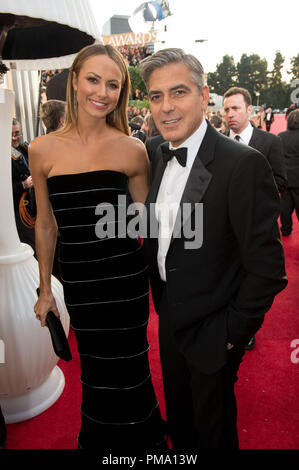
{"x":106,"y":293}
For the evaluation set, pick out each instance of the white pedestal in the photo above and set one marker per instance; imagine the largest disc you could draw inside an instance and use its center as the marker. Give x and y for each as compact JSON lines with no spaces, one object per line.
{"x":34,"y":402}
{"x":30,"y":381}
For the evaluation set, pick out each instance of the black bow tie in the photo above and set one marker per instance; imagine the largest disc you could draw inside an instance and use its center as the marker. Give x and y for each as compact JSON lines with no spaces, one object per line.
{"x":180,"y":154}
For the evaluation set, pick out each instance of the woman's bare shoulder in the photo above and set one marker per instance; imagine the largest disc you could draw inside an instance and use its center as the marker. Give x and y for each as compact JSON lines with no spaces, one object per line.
{"x":133,"y":144}
{"x":42,"y":143}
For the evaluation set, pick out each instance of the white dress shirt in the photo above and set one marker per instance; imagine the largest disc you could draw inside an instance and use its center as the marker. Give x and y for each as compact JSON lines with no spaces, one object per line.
{"x":170,"y":193}
{"x":245,"y":135}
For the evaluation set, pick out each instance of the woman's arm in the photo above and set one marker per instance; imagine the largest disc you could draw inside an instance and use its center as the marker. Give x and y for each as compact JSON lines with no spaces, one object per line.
{"x":139,"y":169}
{"x":45,"y":231}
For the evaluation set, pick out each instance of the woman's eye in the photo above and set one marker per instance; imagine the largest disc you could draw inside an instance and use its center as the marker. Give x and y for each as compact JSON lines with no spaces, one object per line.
{"x":114,"y":86}
{"x":92,"y":79}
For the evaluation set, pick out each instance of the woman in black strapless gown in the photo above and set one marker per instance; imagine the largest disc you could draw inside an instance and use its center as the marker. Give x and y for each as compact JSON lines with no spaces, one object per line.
{"x":104,"y":277}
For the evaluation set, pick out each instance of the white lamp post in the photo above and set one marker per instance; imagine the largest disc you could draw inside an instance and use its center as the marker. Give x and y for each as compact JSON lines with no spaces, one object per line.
{"x":258,"y":97}
{"x":30,"y":381}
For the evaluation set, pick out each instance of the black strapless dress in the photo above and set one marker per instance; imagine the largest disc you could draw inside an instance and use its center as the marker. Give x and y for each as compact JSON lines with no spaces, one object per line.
{"x":106,"y":291}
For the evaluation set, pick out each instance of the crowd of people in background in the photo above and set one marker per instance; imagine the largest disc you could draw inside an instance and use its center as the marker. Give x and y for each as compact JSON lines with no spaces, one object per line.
{"x":46,"y":75}
{"x":133,"y":55}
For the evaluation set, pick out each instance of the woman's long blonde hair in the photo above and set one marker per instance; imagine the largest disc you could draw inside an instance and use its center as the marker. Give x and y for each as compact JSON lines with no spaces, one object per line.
{"x":117,"y":118}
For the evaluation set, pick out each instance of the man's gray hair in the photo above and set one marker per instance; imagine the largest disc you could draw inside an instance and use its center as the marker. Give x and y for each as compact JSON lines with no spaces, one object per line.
{"x":171,"y":56}
{"x":15,"y":122}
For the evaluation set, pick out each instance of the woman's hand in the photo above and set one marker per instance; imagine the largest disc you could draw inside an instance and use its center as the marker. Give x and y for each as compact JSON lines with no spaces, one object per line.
{"x":45,"y":304}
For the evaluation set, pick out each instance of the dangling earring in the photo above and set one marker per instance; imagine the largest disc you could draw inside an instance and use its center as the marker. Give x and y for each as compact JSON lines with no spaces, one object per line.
{"x":75,"y":103}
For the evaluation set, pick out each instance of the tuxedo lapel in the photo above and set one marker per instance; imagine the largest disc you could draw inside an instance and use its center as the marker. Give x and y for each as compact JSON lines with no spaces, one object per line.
{"x":159,"y":171}
{"x":199,"y":178}
{"x":152,"y":223}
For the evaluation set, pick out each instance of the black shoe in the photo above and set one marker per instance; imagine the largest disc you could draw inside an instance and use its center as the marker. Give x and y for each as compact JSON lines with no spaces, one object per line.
{"x":251,"y":344}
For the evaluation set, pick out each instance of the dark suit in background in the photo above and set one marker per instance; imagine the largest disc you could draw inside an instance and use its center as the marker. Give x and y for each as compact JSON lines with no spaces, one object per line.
{"x":56,"y":86}
{"x":290,"y":198}
{"x":269,"y":118}
{"x":270,"y":146}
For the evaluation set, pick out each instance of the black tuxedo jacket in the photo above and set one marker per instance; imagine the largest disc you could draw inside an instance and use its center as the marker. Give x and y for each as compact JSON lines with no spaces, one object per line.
{"x":270,"y":146}
{"x":220,"y":292}
{"x":152,"y":144}
{"x":290,"y":142}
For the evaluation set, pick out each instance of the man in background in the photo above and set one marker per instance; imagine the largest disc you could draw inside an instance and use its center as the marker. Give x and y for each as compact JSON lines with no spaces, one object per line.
{"x":237,"y":110}
{"x":216,"y":122}
{"x":21,"y":180}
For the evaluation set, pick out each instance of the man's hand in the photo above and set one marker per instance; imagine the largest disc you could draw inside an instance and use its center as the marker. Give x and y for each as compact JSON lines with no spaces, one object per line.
{"x":229,"y":346}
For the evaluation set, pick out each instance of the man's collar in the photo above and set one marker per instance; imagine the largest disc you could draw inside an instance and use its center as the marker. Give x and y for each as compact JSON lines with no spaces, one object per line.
{"x":245,"y":134}
{"x":193,"y":142}
{"x":193,"y":139}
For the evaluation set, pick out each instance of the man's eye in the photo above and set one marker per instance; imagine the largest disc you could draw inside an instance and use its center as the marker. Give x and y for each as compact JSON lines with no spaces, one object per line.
{"x":154,"y":97}
{"x":179,"y":92}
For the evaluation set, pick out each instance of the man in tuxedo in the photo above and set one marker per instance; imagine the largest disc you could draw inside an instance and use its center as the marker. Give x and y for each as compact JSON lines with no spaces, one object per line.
{"x":290,"y":198}
{"x":211,"y":294}
{"x":237,"y":109}
{"x":269,"y":118}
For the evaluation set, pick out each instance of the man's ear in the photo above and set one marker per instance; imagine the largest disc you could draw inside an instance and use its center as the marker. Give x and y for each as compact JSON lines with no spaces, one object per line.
{"x":249,"y":109}
{"x":205,"y":93}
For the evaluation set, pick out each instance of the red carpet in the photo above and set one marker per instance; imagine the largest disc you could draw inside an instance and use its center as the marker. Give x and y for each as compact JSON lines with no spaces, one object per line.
{"x":267,"y":390}
{"x":279,"y":124}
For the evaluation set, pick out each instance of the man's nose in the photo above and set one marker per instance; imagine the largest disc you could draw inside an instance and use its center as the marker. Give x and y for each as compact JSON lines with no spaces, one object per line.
{"x":167,"y":105}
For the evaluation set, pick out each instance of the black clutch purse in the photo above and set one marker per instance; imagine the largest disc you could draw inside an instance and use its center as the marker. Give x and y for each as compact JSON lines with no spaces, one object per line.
{"x":59,"y":339}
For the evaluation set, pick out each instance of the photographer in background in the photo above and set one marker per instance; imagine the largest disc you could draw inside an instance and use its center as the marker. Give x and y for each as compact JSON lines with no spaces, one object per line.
{"x":21,"y":181}
{"x":135,"y":126}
